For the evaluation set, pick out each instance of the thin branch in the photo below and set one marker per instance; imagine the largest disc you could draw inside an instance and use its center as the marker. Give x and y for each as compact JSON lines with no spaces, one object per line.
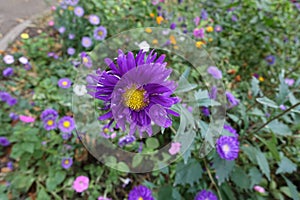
{"x":212,"y":180}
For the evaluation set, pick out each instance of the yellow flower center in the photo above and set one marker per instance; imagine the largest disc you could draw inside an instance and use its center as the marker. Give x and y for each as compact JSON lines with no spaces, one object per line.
{"x":71,"y":8}
{"x":66,"y":124}
{"x":135,"y":98}
{"x":66,"y":162}
{"x":24,"y":36}
{"x":172,"y":39}
{"x":209,"y":29}
{"x":140,"y":198}
{"x":85,"y":59}
{"x":226,"y":148}
{"x":50,"y":122}
{"x":64,"y":83}
{"x":148,"y":30}
{"x":100,"y":33}
{"x":106,"y":130}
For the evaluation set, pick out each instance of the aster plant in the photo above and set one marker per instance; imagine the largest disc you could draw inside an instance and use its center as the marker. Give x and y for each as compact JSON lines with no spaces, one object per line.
{"x":136,"y":90}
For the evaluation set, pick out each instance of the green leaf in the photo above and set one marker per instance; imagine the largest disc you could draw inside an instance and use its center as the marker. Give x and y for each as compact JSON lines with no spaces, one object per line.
{"x":255,"y":86}
{"x":29,"y":147}
{"x":136,"y":161}
{"x":188,"y":173}
{"x":240,"y":178}
{"x":60,"y":177}
{"x":293,"y":189}
{"x":168,"y":192}
{"x":255,"y":176}
{"x":227,"y":191}
{"x":266,"y":101}
{"x":286,"y":166}
{"x":223,"y":168}
{"x":271,"y":146}
{"x":263,"y":164}
{"x":250,"y":151}
{"x":279,"y":128}
{"x":42,"y":194}
{"x":152,"y":143}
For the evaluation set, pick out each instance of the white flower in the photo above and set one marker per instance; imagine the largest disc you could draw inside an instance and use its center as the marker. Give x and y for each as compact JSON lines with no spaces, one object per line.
{"x":79,"y":90}
{"x":23,"y":60}
{"x":8,"y":59}
{"x":144,"y":45}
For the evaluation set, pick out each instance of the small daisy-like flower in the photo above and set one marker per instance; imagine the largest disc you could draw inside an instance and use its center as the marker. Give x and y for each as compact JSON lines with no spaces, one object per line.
{"x":11,"y":101}
{"x":13,"y":116}
{"x":231,"y":99}
{"x":173,"y":26}
{"x":79,"y":11}
{"x":94,"y":19}
{"x":23,"y":60}
{"x":66,"y":163}
{"x":8,"y":59}
{"x":228,"y":147}
{"x":144,"y":46}
{"x":218,"y":28}
{"x":66,"y":124}
{"x":215,"y":72}
{"x":4,"y":141}
{"x":282,"y":107}
{"x":209,"y":29}
{"x":289,"y":81}
{"x":4,"y":96}
{"x":270,"y":59}
{"x":86,"y":60}
{"x":86,"y":42}
{"x":198,"y":33}
{"x":81,"y":183}
{"x":140,"y":193}
{"x":100,"y":33}
{"x":79,"y":90}
{"x":61,"y":29}
{"x":71,"y":36}
{"x":9,"y":71}
{"x":205,"y":195}
{"x":71,"y":51}
{"x":64,"y":83}
{"x":50,"y":123}
{"x":49,"y":112}
{"x":175,"y":148}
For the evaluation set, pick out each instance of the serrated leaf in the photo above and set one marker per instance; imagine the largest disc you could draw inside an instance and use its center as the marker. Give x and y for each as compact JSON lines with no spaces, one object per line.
{"x":223,"y":168}
{"x":250,"y":151}
{"x":263,"y":164}
{"x":240,"y":178}
{"x":255,"y":176}
{"x":168,"y":192}
{"x":279,"y":128}
{"x":293,"y":189}
{"x":266,"y":101}
{"x":286,"y":166}
{"x":188,"y":173}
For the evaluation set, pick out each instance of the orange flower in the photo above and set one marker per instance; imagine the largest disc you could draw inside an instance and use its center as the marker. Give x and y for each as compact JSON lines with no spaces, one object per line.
{"x":209,"y":29}
{"x":148,"y":30}
{"x":152,"y":15}
{"x":172,"y":39}
{"x":155,"y":41}
{"x":159,"y":19}
{"x":199,"y":44}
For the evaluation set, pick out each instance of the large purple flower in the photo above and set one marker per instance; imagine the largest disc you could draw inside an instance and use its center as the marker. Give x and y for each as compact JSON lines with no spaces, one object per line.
{"x":137,"y":91}
{"x":205,"y":195}
{"x":66,"y":124}
{"x":228,"y":147}
{"x":140,"y":192}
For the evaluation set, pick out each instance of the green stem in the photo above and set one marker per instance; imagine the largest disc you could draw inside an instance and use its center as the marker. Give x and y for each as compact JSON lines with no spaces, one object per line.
{"x":212,"y":180}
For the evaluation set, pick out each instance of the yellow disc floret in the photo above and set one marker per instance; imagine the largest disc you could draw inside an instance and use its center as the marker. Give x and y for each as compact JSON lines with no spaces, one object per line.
{"x":66,"y":124}
{"x":50,"y":122}
{"x":134,"y":98}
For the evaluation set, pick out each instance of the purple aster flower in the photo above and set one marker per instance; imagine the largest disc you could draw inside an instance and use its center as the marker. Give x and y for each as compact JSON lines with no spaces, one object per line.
{"x":231,"y":130}
{"x":282,"y":107}
{"x":10,"y":165}
{"x":66,"y":163}
{"x":61,"y":29}
{"x":197,"y":20}
{"x":4,"y":96}
{"x":128,"y":139}
{"x":94,"y":19}
{"x":11,"y":101}
{"x":270,"y":59}
{"x":137,"y":91}
{"x":9,"y":71}
{"x":228,"y":147}
{"x":173,"y":26}
{"x":66,"y":136}
{"x":199,"y":32}
{"x":213,"y":93}
{"x":13,"y":116}
{"x":204,"y":14}
{"x":49,"y":113}
{"x":215,"y":72}
{"x":78,"y":11}
{"x":72,"y":2}
{"x":218,"y":28}
{"x":140,"y":192}
{"x":205,"y":195}
{"x":64,"y":83}
{"x":50,"y":123}
{"x":4,"y":141}
{"x":100,"y":33}
{"x":205,"y":111}
{"x":71,"y":51}
{"x":86,"y":42}
{"x":71,"y":36}
{"x":289,"y":81}
{"x":8,"y":59}
{"x":86,"y":60}
{"x":234,"y":18}
{"x":66,"y":124}
{"x":232,"y":100}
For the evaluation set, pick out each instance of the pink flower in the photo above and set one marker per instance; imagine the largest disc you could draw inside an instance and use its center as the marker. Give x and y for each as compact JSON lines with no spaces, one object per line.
{"x":26,"y":119}
{"x":175,"y":148}
{"x":53,"y":8}
{"x":198,"y":33}
{"x":81,"y":183}
{"x":259,"y":189}
{"x":51,"y":23}
{"x":103,"y":198}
